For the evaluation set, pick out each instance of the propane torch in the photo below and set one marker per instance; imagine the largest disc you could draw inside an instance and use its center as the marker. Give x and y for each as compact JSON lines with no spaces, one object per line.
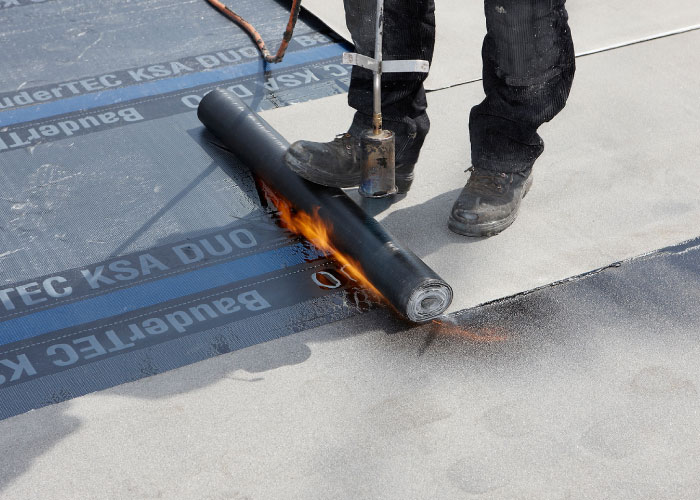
{"x":378,"y":146}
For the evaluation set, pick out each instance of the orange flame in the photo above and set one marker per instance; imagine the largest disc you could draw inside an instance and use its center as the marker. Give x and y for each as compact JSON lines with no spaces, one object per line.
{"x":486,"y":335}
{"x":318,"y":232}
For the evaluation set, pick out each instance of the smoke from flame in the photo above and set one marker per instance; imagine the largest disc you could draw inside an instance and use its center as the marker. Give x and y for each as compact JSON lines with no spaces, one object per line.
{"x":317,"y":232}
{"x":486,"y":335}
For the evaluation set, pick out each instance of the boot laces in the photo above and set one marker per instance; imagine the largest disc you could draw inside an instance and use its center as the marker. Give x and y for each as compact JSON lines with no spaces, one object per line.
{"x":488,"y":181}
{"x":345,"y":139}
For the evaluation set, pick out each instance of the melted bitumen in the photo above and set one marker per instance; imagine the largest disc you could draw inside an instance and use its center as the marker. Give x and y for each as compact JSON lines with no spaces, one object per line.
{"x":650,"y":298}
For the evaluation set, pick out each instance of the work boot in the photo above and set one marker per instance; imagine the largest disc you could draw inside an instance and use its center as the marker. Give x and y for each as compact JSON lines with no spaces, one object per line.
{"x":337,"y":163}
{"x":489,"y":202}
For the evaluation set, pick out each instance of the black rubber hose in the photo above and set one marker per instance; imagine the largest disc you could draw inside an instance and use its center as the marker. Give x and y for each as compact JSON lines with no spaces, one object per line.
{"x":406,"y":282}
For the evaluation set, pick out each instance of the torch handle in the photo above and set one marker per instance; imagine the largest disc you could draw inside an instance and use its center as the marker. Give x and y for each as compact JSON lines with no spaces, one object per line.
{"x":378,"y":42}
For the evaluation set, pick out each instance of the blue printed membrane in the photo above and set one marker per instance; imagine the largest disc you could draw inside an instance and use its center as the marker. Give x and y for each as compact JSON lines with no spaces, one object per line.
{"x":149,"y":89}
{"x":149,"y":294}
{"x":99,"y":354}
{"x":107,"y":174}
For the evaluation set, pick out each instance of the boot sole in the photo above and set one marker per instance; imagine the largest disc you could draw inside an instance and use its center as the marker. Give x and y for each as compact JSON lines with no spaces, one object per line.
{"x":487,"y":228}
{"x":403,"y":180}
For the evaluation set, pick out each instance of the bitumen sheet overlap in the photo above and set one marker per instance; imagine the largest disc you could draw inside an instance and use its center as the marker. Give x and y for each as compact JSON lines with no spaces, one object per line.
{"x":566,"y":368}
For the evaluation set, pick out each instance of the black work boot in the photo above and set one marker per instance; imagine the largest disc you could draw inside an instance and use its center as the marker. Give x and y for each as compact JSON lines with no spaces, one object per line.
{"x":334,"y":164}
{"x":337,"y":163}
{"x":489,"y":202}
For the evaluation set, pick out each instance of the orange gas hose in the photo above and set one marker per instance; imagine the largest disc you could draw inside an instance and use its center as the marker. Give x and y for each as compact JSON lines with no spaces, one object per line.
{"x":293,"y":16}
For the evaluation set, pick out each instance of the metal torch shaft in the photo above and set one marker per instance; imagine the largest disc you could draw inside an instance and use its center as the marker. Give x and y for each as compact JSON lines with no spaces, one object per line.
{"x":377,"y":119}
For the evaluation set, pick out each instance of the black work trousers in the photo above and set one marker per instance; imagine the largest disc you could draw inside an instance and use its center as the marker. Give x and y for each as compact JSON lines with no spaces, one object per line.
{"x":528,"y":69}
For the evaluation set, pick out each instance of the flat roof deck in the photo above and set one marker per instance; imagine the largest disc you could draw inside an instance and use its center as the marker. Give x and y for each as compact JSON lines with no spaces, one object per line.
{"x":575,"y":371}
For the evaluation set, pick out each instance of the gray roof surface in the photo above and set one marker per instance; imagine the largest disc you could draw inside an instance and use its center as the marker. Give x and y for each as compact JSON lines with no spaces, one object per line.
{"x":583,"y":390}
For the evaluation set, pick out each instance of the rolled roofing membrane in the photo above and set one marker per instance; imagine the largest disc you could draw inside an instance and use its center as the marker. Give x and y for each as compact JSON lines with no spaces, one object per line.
{"x":405,"y":281}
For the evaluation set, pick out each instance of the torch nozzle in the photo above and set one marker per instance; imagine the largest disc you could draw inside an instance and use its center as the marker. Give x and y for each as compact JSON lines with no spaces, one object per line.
{"x":377,"y":123}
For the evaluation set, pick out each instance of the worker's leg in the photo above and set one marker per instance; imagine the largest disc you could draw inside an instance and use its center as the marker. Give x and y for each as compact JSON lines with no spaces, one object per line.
{"x":409,"y":33}
{"x":528,"y":69}
{"x":528,"y":59}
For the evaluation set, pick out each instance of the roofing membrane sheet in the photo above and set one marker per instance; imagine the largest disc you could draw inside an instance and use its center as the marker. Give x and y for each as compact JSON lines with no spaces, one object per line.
{"x":121,"y":222}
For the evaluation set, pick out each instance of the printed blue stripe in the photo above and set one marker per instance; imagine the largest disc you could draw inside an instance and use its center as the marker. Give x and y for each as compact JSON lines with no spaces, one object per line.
{"x":123,"y":94}
{"x":149,"y":294}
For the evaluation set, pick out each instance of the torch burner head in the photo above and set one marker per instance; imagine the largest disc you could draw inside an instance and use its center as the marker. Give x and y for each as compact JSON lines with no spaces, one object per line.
{"x":377,"y":158}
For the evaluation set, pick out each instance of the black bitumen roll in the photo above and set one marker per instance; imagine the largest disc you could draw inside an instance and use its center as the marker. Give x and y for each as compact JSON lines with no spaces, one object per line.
{"x":406,"y":282}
